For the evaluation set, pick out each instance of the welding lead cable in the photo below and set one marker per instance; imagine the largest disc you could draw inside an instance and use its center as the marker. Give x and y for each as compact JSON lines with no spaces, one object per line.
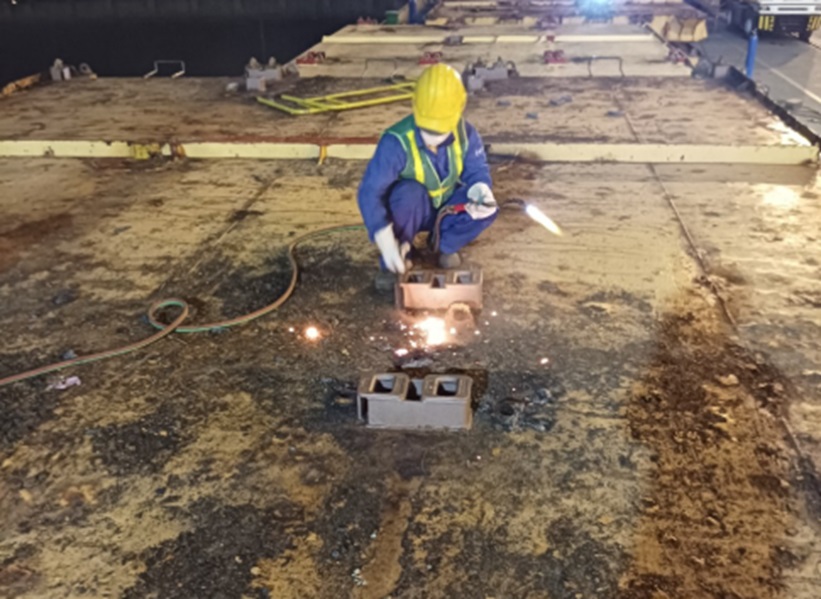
{"x":175,"y":326}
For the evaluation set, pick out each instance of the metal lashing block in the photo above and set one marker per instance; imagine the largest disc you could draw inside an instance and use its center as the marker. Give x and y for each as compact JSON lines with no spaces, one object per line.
{"x":258,"y":76}
{"x":311,"y":58}
{"x":393,"y":400}
{"x":554,"y":57}
{"x":57,"y":71}
{"x":478,"y":73}
{"x":439,"y":289}
{"x":429,"y":58}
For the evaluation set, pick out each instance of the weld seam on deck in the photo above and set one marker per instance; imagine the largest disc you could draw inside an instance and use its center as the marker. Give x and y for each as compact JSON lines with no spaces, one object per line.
{"x":537,"y":151}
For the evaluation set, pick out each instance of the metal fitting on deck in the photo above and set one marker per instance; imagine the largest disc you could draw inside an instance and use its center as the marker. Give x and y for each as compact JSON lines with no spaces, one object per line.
{"x":394,"y":400}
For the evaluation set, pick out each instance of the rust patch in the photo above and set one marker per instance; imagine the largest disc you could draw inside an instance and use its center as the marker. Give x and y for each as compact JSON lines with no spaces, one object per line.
{"x":16,"y":241}
{"x":720,"y":501}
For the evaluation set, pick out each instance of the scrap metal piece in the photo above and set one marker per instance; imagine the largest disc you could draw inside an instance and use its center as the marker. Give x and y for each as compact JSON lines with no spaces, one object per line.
{"x":394,"y":400}
{"x":439,"y":289}
{"x":20,"y":84}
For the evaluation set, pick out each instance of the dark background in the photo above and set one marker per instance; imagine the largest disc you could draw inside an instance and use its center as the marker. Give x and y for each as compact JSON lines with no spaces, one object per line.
{"x":129,"y":48}
{"x":124,"y":37}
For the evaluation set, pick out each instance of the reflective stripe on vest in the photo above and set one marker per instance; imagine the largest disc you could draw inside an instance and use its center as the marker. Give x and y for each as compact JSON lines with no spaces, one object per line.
{"x":417,"y":159}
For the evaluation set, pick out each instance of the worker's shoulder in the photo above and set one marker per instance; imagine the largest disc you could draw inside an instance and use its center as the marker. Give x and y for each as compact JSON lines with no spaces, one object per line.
{"x":469,"y":128}
{"x":389,"y":144}
{"x":402,"y":124}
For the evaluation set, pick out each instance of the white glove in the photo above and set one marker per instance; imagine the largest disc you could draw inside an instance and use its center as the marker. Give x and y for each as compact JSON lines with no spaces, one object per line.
{"x":392,"y":253}
{"x":482,"y":204}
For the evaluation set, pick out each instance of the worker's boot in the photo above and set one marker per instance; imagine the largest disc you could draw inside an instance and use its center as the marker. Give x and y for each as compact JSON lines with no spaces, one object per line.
{"x":384,"y":281}
{"x":450,"y":260}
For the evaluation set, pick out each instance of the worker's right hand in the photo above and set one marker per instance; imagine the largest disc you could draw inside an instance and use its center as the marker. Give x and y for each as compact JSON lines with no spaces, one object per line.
{"x":392,"y":254}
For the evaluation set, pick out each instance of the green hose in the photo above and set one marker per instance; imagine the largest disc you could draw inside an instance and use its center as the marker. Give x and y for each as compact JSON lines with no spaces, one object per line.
{"x":164,"y":330}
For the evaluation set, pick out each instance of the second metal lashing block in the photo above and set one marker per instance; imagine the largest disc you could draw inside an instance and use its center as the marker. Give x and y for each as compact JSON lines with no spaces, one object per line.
{"x":439,"y":289}
{"x":478,"y":73}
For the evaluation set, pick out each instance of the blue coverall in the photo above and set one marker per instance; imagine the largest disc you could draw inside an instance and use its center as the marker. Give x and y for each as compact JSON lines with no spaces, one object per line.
{"x":384,"y":198}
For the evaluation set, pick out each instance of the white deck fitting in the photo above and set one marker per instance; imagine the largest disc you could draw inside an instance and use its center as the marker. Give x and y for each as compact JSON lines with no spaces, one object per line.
{"x":481,"y":34}
{"x":638,"y":59}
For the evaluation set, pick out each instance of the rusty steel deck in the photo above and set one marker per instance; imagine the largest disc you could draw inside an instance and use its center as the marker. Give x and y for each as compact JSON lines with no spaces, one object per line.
{"x":646,"y":387}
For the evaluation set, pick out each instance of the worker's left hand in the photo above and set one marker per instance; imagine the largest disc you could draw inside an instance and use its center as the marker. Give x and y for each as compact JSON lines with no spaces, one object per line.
{"x":481,"y":202}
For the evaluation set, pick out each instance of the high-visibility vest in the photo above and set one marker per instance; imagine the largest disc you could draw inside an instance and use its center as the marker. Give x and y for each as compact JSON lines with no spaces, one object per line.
{"x":419,"y":167}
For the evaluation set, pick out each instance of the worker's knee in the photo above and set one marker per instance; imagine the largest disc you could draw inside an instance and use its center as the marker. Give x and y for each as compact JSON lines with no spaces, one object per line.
{"x":410,"y":209}
{"x":408,"y":194}
{"x":459,"y":230}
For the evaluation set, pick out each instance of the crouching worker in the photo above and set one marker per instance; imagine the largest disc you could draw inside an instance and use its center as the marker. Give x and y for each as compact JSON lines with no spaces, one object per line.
{"x":426,"y":162}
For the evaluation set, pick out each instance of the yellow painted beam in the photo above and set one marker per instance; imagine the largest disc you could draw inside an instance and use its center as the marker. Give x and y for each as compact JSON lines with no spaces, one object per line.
{"x":609,"y":38}
{"x":351,"y":151}
{"x":251,"y":150}
{"x":24,"y":148}
{"x":659,"y":153}
{"x":544,"y":152}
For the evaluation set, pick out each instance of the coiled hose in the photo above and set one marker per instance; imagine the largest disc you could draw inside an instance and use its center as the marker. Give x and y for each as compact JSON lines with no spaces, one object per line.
{"x":164,"y":330}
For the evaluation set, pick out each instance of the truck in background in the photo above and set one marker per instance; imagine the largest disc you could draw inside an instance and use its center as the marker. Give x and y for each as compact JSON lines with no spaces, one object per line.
{"x":795,"y":17}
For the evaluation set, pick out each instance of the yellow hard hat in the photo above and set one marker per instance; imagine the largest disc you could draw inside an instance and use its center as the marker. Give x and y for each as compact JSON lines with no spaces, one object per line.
{"x":439,"y":99}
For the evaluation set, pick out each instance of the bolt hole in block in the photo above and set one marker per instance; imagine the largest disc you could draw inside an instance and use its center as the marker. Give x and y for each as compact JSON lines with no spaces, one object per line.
{"x":383,"y":384}
{"x":464,"y":278}
{"x":415,"y":390}
{"x":416,"y":277}
{"x":438,"y":282}
{"x":447,"y":387}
